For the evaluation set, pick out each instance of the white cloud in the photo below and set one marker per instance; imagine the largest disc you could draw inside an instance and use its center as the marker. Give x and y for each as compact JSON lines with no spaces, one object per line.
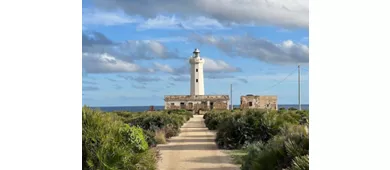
{"x":143,"y":79}
{"x":144,"y":49}
{"x":211,"y":65}
{"x":164,"y":68}
{"x":105,"y":63}
{"x":99,"y":17}
{"x":218,"y":76}
{"x":138,"y":86}
{"x":95,"y":42}
{"x":157,"y":47}
{"x":285,"y":13}
{"x":286,"y":52}
{"x":185,"y":78}
{"x":170,"y":39}
{"x":165,"y":22}
{"x":161,"y":22}
{"x":305,"y":39}
{"x":90,"y":88}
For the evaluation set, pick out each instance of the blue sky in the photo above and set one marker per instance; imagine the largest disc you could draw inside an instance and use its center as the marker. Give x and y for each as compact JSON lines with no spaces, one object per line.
{"x":136,"y":51}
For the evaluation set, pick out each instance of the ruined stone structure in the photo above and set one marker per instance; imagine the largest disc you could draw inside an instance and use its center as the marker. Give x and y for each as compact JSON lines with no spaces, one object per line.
{"x":259,"y":102}
{"x":197,"y":101}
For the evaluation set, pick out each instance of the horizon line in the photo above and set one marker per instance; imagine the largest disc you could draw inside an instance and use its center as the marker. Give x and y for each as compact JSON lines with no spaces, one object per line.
{"x":163,"y":105}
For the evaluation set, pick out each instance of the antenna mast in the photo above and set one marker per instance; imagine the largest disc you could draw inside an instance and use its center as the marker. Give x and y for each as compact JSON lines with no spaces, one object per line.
{"x":231,"y":96}
{"x":299,"y":86}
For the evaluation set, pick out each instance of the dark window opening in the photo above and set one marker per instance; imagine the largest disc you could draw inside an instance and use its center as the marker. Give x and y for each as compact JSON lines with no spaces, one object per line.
{"x":172,"y":104}
{"x":204,"y":104}
{"x":250,"y":103}
{"x":211,"y":105}
{"x":182,"y":106}
{"x":196,"y":80}
{"x":196,"y":70}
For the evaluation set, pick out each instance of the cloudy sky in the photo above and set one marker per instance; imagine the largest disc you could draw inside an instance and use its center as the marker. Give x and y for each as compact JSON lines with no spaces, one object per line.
{"x":136,"y":51}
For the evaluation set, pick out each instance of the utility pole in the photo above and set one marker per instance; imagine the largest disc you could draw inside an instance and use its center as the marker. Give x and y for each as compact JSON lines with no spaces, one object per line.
{"x":299,"y":86}
{"x":231,"y":96}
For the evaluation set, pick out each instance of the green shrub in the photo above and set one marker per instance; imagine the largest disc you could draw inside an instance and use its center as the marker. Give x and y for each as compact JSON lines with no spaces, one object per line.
{"x":148,"y":160}
{"x":272,"y":139}
{"x":237,"y":130}
{"x":241,"y":129}
{"x":282,"y":110}
{"x":108,"y":143}
{"x":187,"y":114}
{"x":171,"y":130}
{"x":292,"y":108}
{"x":154,"y":121}
{"x":214,"y":119}
{"x":300,"y":163}
{"x":232,"y":133}
{"x":122,"y":140}
{"x":149,"y":137}
{"x":236,"y":155}
{"x":287,"y":150}
{"x":134,"y":136}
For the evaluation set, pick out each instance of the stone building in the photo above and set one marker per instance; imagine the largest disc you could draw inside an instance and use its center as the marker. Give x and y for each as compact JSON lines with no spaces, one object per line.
{"x":259,"y":102}
{"x":196,"y":101}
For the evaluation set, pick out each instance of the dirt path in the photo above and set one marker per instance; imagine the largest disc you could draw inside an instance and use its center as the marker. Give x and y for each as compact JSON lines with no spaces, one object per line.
{"x":194,"y":149}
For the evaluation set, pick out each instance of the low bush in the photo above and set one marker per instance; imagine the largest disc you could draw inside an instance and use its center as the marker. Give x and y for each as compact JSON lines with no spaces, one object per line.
{"x":123,"y":140}
{"x":109,"y":143}
{"x":272,"y":139}
{"x":300,"y":163}
{"x":155,"y":121}
{"x":292,"y":108}
{"x":135,"y":137}
{"x":214,"y":119}
{"x":235,"y":130}
{"x":149,"y":137}
{"x":170,"y":131}
{"x":239,"y":130}
{"x":187,"y":115}
{"x":149,"y":160}
{"x":287,"y":150}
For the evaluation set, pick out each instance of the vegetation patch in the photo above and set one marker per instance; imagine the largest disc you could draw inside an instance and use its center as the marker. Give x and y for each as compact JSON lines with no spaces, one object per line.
{"x":261,"y":139}
{"x":237,"y":155}
{"x":160,"y":137}
{"x":125,"y":140}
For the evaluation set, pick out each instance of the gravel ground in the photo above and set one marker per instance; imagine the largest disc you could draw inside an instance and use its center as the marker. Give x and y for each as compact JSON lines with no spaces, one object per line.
{"x":194,"y":149}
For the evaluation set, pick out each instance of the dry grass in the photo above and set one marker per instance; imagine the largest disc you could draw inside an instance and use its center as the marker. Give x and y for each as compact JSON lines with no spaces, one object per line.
{"x":160,"y":137}
{"x":237,"y":155}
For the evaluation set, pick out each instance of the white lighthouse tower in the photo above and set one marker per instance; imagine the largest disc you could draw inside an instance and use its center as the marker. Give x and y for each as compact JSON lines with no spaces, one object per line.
{"x":197,"y":81}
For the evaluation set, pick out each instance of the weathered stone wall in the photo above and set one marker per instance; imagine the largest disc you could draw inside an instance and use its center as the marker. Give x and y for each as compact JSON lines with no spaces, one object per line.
{"x":196,"y":103}
{"x":196,"y":98}
{"x":259,"y":102}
